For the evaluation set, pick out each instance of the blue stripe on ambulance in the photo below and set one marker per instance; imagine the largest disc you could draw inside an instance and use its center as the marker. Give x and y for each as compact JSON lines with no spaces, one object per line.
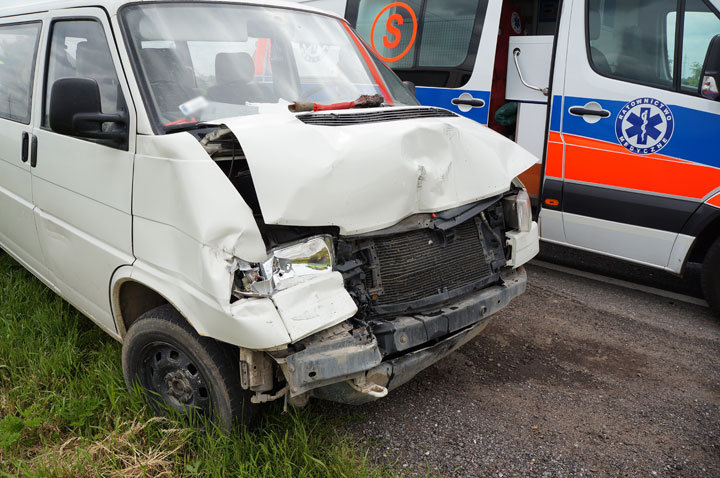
{"x":442,"y":97}
{"x":693,"y":137}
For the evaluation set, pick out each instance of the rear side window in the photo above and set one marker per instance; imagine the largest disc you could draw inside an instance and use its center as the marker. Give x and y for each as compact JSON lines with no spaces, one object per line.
{"x":628,"y":40}
{"x":18,"y":49}
{"x":430,"y":42}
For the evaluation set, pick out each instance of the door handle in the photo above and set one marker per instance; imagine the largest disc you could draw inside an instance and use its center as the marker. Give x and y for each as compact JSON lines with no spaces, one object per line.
{"x":25,"y":146}
{"x":583,"y":111}
{"x":474,"y":102}
{"x":33,"y":152}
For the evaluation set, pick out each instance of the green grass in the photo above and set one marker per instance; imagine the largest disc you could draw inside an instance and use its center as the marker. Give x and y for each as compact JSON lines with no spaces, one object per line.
{"x":65,"y":411}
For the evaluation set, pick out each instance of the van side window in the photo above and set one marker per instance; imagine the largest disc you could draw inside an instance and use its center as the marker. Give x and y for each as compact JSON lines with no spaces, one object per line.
{"x":18,"y":47}
{"x":701,"y":25}
{"x":429,"y":42}
{"x":628,"y":40}
{"x":79,"y":49}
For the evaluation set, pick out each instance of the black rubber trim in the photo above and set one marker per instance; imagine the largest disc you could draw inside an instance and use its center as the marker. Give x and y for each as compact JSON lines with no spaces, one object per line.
{"x":628,"y":207}
{"x":701,"y":219}
{"x":553,"y":189}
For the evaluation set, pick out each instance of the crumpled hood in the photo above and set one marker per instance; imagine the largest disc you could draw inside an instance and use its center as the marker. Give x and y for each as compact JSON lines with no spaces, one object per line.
{"x":369,"y":176}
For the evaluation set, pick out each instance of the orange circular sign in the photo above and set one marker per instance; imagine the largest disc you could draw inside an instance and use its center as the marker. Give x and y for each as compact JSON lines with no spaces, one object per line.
{"x":394,"y":31}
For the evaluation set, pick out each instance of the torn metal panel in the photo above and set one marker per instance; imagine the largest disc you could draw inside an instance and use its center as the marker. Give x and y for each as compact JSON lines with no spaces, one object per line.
{"x":317,"y":304}
{"x":360,"y":179}
{"x":324,"y":363}
{"x":331,"y":361}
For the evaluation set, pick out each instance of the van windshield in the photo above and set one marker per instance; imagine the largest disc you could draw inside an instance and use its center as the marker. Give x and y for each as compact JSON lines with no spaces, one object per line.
{"x":203,"y":62}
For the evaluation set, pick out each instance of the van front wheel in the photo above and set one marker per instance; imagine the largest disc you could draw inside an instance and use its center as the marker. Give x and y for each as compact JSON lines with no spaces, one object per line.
{"x":711,"y":277}
{"x":183,"y":373}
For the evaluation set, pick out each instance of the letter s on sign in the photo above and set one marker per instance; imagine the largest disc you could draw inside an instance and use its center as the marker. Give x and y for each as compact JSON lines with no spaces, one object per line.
{"x":393,"y":30}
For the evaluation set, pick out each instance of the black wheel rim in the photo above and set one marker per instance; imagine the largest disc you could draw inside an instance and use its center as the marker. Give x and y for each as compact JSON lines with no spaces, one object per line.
{"x":174,"y":381}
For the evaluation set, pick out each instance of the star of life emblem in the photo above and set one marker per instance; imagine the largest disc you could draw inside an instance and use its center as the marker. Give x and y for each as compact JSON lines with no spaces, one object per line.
{"x":516,"y":22}
{"x":644,"y":125}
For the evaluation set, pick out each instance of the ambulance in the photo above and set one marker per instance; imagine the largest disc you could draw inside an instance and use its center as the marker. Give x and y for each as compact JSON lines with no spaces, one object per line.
{"x":617,"y":99}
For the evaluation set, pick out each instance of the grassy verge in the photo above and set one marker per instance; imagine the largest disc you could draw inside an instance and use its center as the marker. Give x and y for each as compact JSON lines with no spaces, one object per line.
{"x":64,"y":409}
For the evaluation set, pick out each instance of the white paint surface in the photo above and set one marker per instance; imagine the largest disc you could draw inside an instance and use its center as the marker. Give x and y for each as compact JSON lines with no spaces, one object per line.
{"x":367,"y":177}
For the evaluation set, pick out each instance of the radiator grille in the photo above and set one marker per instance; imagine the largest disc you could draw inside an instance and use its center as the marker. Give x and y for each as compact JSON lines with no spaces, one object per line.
{"x":333,"y":119}
{"x":415,"y":265}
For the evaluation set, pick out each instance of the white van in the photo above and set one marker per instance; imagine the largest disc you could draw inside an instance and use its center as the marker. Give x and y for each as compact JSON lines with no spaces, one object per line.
{"x":152,"y":174}
{"x":618,"y":100}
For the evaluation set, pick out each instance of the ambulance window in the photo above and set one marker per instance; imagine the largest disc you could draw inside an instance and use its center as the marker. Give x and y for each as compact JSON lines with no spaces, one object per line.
{"x":392,"y":32}
{"x":18,"y":47}
{"x":701,"y":25}
{"x":429,"y":42}
{"x":628,"y":40}
{"x":447,"y":30}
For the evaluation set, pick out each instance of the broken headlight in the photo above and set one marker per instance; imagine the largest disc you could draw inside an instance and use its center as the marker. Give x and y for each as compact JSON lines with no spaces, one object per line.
{"x":286,"y":267}
{"x":518,"y":211}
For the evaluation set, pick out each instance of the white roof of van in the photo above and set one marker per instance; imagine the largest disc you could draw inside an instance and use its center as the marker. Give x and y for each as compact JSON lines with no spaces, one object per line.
{"x":10,"y":8}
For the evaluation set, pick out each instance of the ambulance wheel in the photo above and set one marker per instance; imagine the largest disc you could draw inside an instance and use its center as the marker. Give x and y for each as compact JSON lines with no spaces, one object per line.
{"x":711,"y":277}
{"x":183,"y":374}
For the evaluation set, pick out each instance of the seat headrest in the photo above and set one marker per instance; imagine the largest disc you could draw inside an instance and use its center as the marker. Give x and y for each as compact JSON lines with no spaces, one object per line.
{"x":234,"y":67}
{"x":594,"y":24}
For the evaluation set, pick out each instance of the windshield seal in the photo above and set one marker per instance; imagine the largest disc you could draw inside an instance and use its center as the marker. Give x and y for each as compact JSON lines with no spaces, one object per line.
{"x":160,"y":126}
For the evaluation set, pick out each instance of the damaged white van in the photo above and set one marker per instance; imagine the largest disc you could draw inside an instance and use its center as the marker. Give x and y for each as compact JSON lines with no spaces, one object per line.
{"x":248,"y":199}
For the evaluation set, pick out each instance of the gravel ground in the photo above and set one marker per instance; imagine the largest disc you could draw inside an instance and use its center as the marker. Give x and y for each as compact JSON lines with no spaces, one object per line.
{"x":575,"y":378}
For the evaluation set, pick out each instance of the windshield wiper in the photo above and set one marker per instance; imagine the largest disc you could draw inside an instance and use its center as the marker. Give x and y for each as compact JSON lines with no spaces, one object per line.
{"x":185,"y":127}
{"x":365,"y":101}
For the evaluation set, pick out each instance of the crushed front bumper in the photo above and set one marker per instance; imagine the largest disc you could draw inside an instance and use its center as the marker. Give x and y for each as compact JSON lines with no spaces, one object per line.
{"x":346,"y":368}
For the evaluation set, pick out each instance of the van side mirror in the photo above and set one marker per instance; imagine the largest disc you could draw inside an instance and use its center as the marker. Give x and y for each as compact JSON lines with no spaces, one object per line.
{"x":710,"y":77}
{"x":411,"y":88}
{"x":76,"y":110}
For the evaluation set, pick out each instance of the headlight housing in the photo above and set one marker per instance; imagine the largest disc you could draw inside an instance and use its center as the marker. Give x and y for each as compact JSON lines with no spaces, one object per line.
{"x":286,"y":267}
{"x":518,"y":211}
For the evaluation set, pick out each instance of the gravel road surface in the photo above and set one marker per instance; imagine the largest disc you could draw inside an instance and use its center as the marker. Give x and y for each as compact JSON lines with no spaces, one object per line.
{"x":575,"y":378}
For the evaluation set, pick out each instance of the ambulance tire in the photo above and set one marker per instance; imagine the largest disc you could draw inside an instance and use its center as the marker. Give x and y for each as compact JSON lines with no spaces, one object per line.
{"x":184,"y":375}
{"x":711,"y":277}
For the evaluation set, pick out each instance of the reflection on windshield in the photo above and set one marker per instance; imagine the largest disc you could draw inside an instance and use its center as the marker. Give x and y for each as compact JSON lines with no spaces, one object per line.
{"x":202,"y":62}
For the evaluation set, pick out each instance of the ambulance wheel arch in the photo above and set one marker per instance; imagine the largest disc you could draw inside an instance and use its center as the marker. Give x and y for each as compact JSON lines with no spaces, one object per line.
{"x":711,"y":276}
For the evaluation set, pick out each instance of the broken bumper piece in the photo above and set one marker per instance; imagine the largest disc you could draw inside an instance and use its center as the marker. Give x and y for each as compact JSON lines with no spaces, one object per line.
{"x":362,"y":366}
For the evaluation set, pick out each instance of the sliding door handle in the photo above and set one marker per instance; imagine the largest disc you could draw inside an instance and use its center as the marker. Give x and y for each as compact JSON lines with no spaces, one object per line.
{"x":25,"y":146}
{"x":582,"y":111}
{"x":33,"y":152}
{"x":474,"y":102}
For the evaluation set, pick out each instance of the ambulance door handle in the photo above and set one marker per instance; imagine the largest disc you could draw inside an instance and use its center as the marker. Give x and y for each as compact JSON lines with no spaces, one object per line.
{"x":516,"y":54}
{"x":582,"y":111}
{"x":474,"y":102}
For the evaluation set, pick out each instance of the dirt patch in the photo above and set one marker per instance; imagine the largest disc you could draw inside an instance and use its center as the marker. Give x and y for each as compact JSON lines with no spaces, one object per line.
{"x":575,"y":378}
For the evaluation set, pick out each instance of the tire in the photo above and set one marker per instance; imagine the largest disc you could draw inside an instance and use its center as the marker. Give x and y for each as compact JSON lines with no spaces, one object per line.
{"x":711,"y":277}
{"x":183,"y":373}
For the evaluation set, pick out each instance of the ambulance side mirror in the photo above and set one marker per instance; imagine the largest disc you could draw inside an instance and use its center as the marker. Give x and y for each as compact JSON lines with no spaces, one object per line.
{"x":710,"y":76}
